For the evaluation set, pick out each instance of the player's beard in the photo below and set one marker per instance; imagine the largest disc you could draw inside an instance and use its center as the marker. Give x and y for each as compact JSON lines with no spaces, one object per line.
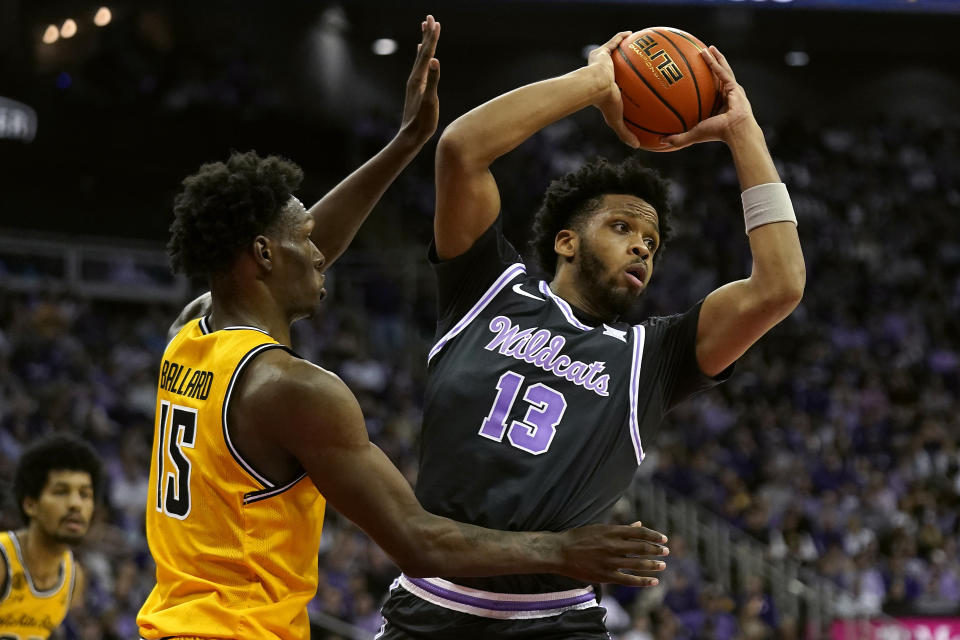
{"x":69,"y":539}
{"x":602,"y":289}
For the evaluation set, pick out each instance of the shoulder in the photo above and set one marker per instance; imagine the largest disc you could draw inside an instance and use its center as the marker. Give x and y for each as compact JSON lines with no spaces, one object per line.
{"x":287,"y":388}
{"x":280,"y":372}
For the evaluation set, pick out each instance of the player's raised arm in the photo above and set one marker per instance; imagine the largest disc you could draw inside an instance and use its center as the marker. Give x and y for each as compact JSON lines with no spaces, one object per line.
{"x":339,"y":214}
{"x":311,"y":414}
{"x":737,"y":314}
{"x":468,"y":200}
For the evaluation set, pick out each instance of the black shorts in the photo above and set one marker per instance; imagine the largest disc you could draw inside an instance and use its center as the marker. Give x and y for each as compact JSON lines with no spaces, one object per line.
{"x":409,"y":617}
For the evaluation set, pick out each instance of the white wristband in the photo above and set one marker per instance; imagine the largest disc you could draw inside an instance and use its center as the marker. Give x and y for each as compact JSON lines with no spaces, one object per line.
{"x":766,"y":203}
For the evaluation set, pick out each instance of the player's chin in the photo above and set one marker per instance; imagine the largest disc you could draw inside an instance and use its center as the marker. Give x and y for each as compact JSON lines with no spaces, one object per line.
{"x":70,"y":538}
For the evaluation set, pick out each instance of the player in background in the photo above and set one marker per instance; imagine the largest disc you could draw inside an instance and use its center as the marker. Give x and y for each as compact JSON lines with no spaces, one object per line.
{"x":55,"y":485}
{"x":251,"y":440}
{"x":539,"y":401}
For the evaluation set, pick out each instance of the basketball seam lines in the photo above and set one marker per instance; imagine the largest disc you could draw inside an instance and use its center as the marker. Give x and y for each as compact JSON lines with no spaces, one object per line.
{"x":717,"y":102}
{"x":652,"y":90}
{"x":693,"y":76}
{"x":631,"y":122}
{"x":659,"y":133}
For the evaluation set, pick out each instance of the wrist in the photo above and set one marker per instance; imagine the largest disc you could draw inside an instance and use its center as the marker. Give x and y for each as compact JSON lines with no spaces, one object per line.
{"x":743,"y":133}
{"x":598,"y":81}
{"x":553,"y":545}
{"x":407,"y":142}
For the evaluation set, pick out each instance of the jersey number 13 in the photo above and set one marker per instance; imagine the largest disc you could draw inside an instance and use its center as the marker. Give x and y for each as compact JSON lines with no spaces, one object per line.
{"x":535,"y":432}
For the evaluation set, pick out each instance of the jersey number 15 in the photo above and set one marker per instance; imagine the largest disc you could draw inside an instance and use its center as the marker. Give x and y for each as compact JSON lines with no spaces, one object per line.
{"x":177,"y":431}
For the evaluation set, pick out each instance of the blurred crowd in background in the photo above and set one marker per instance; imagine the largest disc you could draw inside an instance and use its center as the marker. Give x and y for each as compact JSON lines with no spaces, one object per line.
{"x":835,"y":443}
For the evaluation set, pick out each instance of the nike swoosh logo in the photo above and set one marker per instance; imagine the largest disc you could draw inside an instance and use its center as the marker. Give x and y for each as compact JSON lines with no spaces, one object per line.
{"x":517,"y":289}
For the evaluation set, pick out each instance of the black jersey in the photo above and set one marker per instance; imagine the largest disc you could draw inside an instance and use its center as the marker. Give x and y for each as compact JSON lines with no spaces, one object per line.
{"x":536,"y":416}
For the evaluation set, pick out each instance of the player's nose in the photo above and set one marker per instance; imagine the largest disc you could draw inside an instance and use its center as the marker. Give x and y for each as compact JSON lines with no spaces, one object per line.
{"x":640,"y":249}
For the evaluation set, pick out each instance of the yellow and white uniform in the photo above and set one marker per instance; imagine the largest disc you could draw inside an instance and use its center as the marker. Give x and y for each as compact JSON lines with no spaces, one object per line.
{"x":236,"y":552}
{"x":26,"y":612}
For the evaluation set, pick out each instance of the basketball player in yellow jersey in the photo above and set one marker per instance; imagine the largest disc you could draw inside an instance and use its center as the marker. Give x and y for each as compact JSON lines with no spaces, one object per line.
{"x":251,"y":441}
{"x":54,"y":485}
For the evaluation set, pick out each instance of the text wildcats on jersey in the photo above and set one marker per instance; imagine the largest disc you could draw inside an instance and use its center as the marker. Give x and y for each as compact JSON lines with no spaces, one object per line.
{"x":542,"y":349}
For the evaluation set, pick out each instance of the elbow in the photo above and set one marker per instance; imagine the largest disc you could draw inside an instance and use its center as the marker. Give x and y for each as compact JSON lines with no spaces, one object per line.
{"x":459,"y":146}
{"x":787,"y":294}
{"x":795,"y":284}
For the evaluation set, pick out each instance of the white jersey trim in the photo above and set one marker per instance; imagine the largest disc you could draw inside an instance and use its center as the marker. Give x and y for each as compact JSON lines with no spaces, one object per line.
{"x":589,"y":602}
{"x":246,"y":466}
{"x":564,"y":307}
{"x":26,"y":571}
{"x":639,"y":337}
{"x":508,"y":274}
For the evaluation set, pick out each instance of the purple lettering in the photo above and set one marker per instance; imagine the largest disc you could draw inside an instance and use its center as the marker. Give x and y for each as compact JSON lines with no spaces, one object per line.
{"x":536,"y":343}
{"x":602,"y":384}
{"x":550,"y":353}
{"x":541,"y":348}
{"x":562,"y":361}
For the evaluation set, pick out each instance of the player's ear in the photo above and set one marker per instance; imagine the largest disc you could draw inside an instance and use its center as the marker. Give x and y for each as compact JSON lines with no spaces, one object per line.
{"x":30,"y":507}
{"x":566,"y":243}
{"x":263,"y":252}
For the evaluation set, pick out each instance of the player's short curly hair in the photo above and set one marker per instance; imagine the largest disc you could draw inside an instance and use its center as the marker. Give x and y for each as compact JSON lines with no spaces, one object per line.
{"x":572,"y":199}
{"x":224,"y":206}
{"x":59,"y":452}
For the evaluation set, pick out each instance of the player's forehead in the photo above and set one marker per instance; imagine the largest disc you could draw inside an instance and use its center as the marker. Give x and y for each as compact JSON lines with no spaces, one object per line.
{"x":628,"y":205}
{"x":71,"y":478}
{"x":294,"y":215}
{"x":295,"y":209}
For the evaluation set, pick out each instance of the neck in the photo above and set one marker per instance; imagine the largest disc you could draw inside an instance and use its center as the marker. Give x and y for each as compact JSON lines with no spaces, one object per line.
{"x":565,"y":285}
{"x":250,"y":305}
{"x":41,"y":554}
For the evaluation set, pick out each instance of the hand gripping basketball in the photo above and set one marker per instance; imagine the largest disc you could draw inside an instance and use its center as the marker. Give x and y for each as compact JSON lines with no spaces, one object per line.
{"x":611,"y":105}
{"x":736,"y":111}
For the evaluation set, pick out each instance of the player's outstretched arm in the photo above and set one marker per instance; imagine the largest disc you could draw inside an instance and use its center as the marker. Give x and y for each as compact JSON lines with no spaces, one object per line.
{"x":737,"y":314}
{"x":468,"y":200}
{"x":311,"y":413}
{"x":339,"y":214}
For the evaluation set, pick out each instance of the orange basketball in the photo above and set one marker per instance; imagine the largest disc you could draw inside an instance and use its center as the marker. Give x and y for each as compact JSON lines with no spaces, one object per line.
{"x":666,"y":85}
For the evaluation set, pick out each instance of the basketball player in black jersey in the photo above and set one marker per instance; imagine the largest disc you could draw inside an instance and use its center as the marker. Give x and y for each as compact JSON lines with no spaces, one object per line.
{"x":264,"y":254}
{"x":540,"y":403}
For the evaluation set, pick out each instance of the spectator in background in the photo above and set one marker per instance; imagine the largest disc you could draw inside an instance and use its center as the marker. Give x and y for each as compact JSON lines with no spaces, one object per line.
{"x":895,"y":360}
{"x":55,"y":486}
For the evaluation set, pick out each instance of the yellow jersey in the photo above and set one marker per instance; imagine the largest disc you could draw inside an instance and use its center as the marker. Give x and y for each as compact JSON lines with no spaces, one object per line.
{"x":236,"y":553}
{"x":25,"y":611}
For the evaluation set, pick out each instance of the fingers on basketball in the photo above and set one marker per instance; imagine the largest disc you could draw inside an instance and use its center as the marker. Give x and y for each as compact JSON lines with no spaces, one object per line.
{"x":667,"y":85}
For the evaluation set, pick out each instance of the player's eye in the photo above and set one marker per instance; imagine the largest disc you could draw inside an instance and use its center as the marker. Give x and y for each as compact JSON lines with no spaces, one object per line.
{"x":620,"y":226}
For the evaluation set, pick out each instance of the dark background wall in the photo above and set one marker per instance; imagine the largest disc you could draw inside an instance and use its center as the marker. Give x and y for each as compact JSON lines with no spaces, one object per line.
{"x":125,"y":111}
